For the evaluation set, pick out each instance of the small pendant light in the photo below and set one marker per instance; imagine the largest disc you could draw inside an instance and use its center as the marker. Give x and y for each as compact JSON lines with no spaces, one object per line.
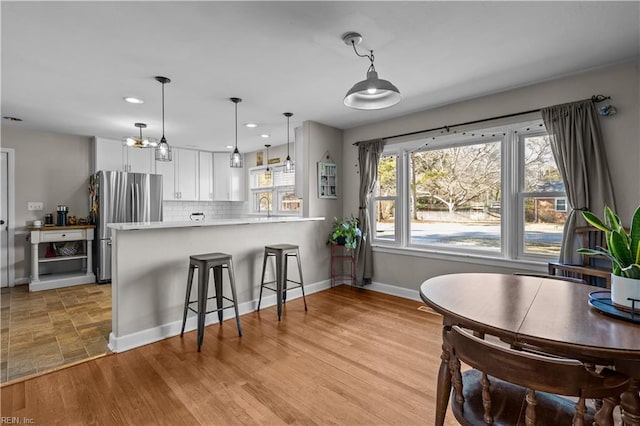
{"x":163,"y":150}
{"x":236,"y":157}
{"x":267,"y":173}
{"x":288,"y":163}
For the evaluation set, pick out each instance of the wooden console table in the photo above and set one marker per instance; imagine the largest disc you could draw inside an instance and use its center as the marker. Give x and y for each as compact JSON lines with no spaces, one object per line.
{"x":60,"y":234}
{"x":552,"y":315}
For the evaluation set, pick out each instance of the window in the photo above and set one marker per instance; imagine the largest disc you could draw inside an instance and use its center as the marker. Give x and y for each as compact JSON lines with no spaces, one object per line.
{"x":273,"y":192}
{"x":385,"y":199}
{"x":494,"y":192}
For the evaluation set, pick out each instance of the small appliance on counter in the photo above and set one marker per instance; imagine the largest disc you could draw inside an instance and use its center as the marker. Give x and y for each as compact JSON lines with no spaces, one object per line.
{"x":62,"y":214}
{"x":48,"y":219}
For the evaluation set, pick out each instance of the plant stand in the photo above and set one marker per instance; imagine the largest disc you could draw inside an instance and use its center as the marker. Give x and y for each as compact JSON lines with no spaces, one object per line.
{"x":343,"y":265}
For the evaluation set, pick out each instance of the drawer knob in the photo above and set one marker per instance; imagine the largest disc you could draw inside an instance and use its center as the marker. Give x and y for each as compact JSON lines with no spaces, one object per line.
{"x":64,"y":235}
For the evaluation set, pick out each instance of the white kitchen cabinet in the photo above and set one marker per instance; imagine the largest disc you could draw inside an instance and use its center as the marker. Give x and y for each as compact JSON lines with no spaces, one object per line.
{"x":180,"y":176}
{"x":228,"y":182}
{"x":139,"y":160}
{"x":111,"y":154}
{"x":206,"y":176}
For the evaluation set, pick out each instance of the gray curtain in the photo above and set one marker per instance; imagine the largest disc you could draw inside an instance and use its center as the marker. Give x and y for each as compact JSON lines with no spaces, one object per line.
{"x":369,"y":153}
{"x":576,"y":142}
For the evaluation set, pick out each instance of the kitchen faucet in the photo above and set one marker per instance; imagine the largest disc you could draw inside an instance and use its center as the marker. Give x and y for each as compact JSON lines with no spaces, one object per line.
{"x":268,"y":204}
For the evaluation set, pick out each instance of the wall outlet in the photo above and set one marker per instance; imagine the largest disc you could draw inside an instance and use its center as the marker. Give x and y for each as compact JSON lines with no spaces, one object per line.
{"x":35,"y":206}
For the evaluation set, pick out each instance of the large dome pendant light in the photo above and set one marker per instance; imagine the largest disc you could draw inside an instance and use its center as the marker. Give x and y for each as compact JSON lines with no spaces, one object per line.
{"x":372,"y":93}
{"x":163,"y":150}
{"x":288,"y":163}
{"x":236,"y":157}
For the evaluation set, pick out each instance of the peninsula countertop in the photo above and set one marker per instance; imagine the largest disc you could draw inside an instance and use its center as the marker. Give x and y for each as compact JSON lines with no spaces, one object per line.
{"x":250,"y":220}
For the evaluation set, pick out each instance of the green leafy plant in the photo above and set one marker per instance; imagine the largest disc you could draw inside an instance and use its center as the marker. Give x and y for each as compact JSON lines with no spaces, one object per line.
{"x":346,"y":232}
{"x":623,"y":248}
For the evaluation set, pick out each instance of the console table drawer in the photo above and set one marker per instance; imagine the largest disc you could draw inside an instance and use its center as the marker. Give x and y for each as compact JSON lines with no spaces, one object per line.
{"x":70,"y":235}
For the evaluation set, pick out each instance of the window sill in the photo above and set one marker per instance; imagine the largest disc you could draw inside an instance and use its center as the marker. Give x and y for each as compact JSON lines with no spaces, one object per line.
{"x":538,"y":266}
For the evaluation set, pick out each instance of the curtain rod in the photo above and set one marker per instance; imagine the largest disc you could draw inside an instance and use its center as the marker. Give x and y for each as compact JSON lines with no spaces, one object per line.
{"x":594,"y":98}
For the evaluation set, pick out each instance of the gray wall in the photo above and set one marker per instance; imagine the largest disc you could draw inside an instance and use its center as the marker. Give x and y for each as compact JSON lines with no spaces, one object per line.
{"x":51,"y":168}
{"x":622,"y":143}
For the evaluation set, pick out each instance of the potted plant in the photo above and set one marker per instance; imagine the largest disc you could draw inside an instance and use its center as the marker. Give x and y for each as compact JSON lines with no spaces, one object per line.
{"x":346,"y":232}
{"x":623,"y":249}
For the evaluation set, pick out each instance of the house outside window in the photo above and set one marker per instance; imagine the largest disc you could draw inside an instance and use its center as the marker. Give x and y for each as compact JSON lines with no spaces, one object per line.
{"x":491,"y":192}
{"x":273,"y":192}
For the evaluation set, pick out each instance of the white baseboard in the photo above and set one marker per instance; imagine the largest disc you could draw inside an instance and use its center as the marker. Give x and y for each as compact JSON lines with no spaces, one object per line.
{"x":151,"y":335}
{"x":393,"y":290}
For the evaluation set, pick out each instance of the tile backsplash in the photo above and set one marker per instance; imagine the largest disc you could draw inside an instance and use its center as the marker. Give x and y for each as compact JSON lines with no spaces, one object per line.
{"x":179,"y":211}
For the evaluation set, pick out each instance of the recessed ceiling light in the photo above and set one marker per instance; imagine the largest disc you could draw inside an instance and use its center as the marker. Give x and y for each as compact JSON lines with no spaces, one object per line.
{"x":229,"y":146}
{"x":12,"y":118}
{"x":133,"y":100}
{"x":264,"y":135}
{"x":251,"y":125}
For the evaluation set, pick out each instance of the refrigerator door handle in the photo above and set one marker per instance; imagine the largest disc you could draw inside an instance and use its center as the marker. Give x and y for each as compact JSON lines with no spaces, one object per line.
{"x":133,"y":203}
{"x":137,"y":204}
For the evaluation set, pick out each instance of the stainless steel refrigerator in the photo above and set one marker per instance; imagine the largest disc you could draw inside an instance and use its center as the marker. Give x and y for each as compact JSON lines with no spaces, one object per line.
{"x":119,"y":197}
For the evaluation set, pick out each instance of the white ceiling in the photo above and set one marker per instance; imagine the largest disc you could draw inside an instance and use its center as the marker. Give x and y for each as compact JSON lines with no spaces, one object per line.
{"x":67,"y":65}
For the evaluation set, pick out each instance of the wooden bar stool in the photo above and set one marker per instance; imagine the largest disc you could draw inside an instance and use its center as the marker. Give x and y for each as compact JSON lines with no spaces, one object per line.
{"x":205,"y":262}
{"x":281,"y":252}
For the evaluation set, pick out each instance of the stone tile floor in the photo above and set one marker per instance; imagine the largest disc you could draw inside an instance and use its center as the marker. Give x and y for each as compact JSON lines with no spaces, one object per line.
{"x":44,"y":330}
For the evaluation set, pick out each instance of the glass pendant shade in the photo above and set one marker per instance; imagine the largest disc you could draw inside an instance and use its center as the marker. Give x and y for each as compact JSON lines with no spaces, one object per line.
{"x":372,"y":93}
{"x":236,"y":160}
{"x":288,"y":163}
{"x":163,"y":150}
{"x":267,"y":173}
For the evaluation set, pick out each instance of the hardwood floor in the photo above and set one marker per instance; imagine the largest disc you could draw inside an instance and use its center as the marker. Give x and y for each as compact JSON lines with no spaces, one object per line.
{"x":44,"y":330}
{"x":356,"y":357}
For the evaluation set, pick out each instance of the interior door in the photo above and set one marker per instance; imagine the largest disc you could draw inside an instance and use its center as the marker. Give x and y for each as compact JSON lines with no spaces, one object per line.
{"x":4,"y":215}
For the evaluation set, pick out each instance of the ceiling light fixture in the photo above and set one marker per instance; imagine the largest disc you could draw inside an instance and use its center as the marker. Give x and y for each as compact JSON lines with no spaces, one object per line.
{"x":288,"y":163}
{"x":265,"y":135}
{"x":236,"y":157}
{"x":372,"y":93}
{"x":251,"y":125}
{"x":163,"y":150}
{"x":133,"y":100}
{"x":8,"y":117}
{"x":267,"y":173}
{"x":141,"y":142}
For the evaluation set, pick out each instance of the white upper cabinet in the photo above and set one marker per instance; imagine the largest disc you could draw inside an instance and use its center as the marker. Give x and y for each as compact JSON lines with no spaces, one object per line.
{"x":140,"y":160}
{"x":206,"y":176}
{"x":187,"y":174}
{"x":228,"y":182}
{"x":111,"y":154}
{"x":107,"y":155}
{"x":180,"y":176}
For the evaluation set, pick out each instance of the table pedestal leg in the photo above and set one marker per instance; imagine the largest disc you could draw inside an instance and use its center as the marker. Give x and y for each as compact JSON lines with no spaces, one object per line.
{"x":630,"y":403}
{"x":444,"y":381}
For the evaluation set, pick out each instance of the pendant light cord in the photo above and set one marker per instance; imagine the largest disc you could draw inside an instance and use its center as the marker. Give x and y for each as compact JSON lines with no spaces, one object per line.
{"x":370,"y":56}
{"x":163,"y":110}
{"x":287,"y":137}
{"x":236,"y":125}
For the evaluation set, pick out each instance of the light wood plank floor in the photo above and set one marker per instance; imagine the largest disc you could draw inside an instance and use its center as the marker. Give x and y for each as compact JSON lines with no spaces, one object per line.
{"x":356,"y":357}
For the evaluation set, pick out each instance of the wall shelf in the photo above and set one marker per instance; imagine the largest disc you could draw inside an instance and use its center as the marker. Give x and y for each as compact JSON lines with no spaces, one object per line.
{"x":327,"y":180}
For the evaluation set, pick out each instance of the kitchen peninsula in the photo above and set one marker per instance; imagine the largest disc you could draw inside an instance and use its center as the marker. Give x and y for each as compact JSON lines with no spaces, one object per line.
{"x":150,"y":263}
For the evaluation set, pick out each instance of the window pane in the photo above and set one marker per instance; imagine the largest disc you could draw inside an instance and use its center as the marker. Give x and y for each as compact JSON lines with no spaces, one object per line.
{"x":287,"y":201}
{"x":455,"y":196}
{"x":385,"y":220}
{"x":544,"y":223}
{"x":387,"y":167}
{"x":540,"y":171}
{"x":262,"y":201}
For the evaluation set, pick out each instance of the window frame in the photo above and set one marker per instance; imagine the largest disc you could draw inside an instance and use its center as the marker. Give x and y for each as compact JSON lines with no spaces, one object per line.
{"x":276,"y":191}
{"x":511,"y":137}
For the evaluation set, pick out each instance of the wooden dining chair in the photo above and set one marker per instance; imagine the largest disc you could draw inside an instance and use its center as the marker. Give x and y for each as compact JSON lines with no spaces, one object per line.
{"x":511,"y":387}
{"x":590,"y":268}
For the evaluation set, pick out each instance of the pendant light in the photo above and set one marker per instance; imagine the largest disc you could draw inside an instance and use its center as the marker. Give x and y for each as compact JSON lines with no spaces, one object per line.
{"x":372,"y":93}
{"x":140,"y":142}
{"x":267,"y":173}
{"x":236,"y":157}
{"x":163,"y":150}
{"x":288,"y":163}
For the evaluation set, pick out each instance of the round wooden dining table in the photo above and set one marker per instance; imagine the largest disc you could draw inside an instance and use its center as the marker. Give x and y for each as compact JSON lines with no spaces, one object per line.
{"x":550,"y":314}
